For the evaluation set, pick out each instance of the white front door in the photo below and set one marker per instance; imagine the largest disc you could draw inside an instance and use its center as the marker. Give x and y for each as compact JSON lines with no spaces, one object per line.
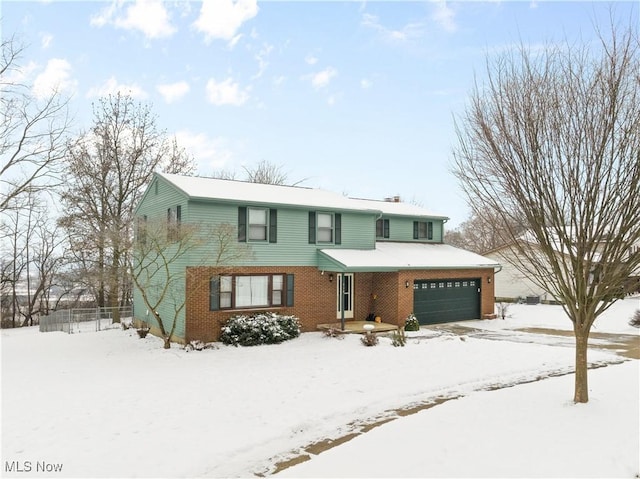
{"x":345,"y":295}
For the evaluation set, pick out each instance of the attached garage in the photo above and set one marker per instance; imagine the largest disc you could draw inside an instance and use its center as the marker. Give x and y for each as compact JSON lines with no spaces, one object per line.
{"x":445,"y":300}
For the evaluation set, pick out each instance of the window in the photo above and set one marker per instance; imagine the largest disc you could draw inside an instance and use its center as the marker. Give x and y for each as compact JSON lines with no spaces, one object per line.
{"x":382,"y":228}
{"x":141,"y":233}
{"x":250,"y":291}
{"x":174,"y":218}
{"x":423,"y":230}
{"x":325,"y":228}
{"x":257,"y":224}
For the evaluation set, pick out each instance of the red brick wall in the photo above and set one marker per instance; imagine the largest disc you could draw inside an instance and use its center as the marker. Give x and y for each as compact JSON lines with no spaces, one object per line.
{"x":315,"y":296}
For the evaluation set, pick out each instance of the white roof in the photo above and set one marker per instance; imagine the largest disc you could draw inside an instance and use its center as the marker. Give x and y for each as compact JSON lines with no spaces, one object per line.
{"x":392,"y":256}
{"x":258,"y":193}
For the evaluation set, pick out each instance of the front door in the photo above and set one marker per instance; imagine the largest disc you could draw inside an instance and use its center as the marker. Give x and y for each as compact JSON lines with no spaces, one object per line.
{"x":345,"y":295}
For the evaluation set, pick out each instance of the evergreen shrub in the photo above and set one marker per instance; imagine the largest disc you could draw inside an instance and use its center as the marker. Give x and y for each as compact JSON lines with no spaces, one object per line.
{"x":259,"y":328}
{"x":412,"y":324}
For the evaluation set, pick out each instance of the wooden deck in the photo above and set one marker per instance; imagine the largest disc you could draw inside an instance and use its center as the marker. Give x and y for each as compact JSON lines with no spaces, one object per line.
{"x":358,"y":326}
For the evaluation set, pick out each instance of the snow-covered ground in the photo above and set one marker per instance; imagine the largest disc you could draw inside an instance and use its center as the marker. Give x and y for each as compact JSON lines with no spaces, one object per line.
{"x":108,"y":404}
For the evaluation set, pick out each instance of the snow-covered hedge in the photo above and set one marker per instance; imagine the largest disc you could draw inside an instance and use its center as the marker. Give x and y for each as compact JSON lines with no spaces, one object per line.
{"x":259,"y":328}
{"x":412,"y":324}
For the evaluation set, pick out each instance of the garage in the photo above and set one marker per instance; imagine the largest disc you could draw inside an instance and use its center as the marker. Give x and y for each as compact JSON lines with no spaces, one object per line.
{"x":446,"y":300}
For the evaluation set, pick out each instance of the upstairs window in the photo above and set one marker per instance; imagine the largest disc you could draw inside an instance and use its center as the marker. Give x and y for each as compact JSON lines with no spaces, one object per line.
{"x":257,"y":224}
{"x":382,"y":228}
{"x":174,"y":219}
{"x":325,"y":228}
{"x":423,"y":230}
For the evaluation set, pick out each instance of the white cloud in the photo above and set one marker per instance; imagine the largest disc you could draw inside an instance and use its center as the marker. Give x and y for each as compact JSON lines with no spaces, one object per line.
{"x":444,"y":16}
{"x":409,"y":32}
{"x":322,"y":78}
{"x":45,"y":40}
{"x":226,"y":92}
{"x":310,"y":60}
{"x":148,"y":16}
{"x":261,"y":58}
{"x":365,"y":83}
{"x":173,"y":91}
{"x":112,"y":87}
{"x":278,"y":80}
{"x":221,"y":19}
{"x":55,"y":77}
{"x":209,"y":153}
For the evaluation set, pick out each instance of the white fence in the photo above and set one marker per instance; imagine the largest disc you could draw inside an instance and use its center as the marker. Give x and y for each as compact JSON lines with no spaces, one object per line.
{"x":82,"y":319}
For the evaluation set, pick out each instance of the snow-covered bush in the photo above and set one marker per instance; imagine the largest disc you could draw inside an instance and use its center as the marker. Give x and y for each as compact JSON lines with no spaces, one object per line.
{"x":259,"y":328}
{"x":412,"y":324}
{"x":398,"y":338}
{"x":635,"y":319}
{"x":369,"y":339}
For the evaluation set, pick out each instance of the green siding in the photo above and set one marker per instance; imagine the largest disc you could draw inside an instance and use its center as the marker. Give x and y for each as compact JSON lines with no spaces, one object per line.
{"x":401,"y":229}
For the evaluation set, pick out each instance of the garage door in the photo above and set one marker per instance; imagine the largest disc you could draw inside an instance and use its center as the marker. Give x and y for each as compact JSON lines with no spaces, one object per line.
{"x":445,"y":300}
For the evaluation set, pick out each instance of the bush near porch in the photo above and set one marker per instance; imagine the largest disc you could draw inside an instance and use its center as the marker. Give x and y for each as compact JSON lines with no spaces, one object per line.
{"x":259,"y":328}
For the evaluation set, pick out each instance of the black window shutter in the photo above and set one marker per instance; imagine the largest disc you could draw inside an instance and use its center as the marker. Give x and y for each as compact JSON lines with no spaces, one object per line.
{"x":178,"y":213}
{"x":386,"y":229}
{"x":273,"y":226}
{"x":415,"y":230}
{"x":289,"y":290}
{"x":214,"y":293}
{"x":312,"y":227}
{"x":338,"y":228}
{"x":430,"y":230}
{"x":242,"y":223}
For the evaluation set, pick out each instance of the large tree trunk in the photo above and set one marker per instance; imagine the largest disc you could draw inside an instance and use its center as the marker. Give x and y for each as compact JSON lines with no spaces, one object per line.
{"x":581,"y":393}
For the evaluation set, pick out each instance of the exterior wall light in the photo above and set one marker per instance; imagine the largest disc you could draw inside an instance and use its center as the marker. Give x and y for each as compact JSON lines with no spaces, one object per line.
{"x":330,"y":277}
{"x":489,"y":280}
{"x":406,"y":284}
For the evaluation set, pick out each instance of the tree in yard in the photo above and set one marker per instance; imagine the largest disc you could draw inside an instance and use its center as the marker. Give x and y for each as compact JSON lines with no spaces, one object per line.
{"x":552,"y":141}
{"x":32,"y":129}
{"x":482,"y":233}
{"x":264,"y":172}
{"x":160,"y":265}
{"x":108,"y":169}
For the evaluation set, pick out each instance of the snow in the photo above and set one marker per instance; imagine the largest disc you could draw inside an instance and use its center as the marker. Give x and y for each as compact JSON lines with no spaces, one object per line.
{"x":260,"y":193}
{"x":108,"y":404}
{"x":393,"y":256}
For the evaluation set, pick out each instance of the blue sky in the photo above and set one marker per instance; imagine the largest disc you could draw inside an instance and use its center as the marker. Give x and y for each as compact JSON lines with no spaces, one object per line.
{"x":356,"y":97}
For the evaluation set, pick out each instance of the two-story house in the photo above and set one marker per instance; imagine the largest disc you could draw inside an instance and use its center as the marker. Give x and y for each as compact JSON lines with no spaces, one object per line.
{"x":316,"y":254}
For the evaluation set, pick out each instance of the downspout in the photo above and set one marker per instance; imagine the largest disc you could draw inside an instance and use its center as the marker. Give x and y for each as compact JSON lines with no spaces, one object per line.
{"x":341,"y":299}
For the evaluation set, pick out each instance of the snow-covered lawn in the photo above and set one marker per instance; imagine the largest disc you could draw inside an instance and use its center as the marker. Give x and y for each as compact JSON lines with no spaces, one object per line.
{"x":108,"y":404}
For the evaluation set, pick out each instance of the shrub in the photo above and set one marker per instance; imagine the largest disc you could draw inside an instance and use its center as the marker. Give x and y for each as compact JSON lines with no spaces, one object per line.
{"x":259,"y":328}
{"x":412,"y":324}
{"x":334,"y":333}
{"x":369,"y":339}
{"x":635,"y":319}
{"x":398,"y":338}
{"x":503,"y":309}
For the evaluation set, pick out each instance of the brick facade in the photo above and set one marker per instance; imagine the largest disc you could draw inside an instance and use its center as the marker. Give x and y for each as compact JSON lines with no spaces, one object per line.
{"x":315,"y":296}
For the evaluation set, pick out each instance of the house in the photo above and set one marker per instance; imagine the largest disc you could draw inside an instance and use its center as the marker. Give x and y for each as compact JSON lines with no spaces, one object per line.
{"x":514,"y":282}
{"x":318,"y":255}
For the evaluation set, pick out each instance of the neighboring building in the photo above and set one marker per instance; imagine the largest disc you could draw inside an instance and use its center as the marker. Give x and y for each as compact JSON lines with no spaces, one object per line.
{"x":318,"y":255}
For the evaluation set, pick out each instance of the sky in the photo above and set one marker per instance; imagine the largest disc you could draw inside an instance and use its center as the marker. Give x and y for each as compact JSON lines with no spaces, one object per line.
{"x":355,"y":97}
{"x":109,"y":404}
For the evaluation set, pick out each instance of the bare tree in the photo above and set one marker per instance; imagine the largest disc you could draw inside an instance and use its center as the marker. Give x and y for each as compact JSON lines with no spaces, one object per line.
{"x":108,"y":170}
{"x":159,"y":265}
{"x":484,"y":231}
{"x":552,"y":141}
{"x":32,"y":129}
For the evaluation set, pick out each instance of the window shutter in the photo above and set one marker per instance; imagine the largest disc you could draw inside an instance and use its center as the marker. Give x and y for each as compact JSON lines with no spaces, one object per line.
{"x":214,"y":293}
{"x":312,"y":227}
{"x":273,"y":226}
{"x":415,"y":230}
{"x":289,"y":290}
{"x":178,"y":213}
{"x":385,"y":227}
{"x":338,"y":228}
{"x":430,"y":230}
{"x":242,"y":223}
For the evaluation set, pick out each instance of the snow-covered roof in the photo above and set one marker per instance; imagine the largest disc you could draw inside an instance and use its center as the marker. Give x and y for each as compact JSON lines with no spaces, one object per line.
{"x":258,"y":193}
{"x":390,"y":256}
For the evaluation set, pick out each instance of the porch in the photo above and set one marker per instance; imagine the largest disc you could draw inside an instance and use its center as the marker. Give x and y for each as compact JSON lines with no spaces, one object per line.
{"x":358,"y":327}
